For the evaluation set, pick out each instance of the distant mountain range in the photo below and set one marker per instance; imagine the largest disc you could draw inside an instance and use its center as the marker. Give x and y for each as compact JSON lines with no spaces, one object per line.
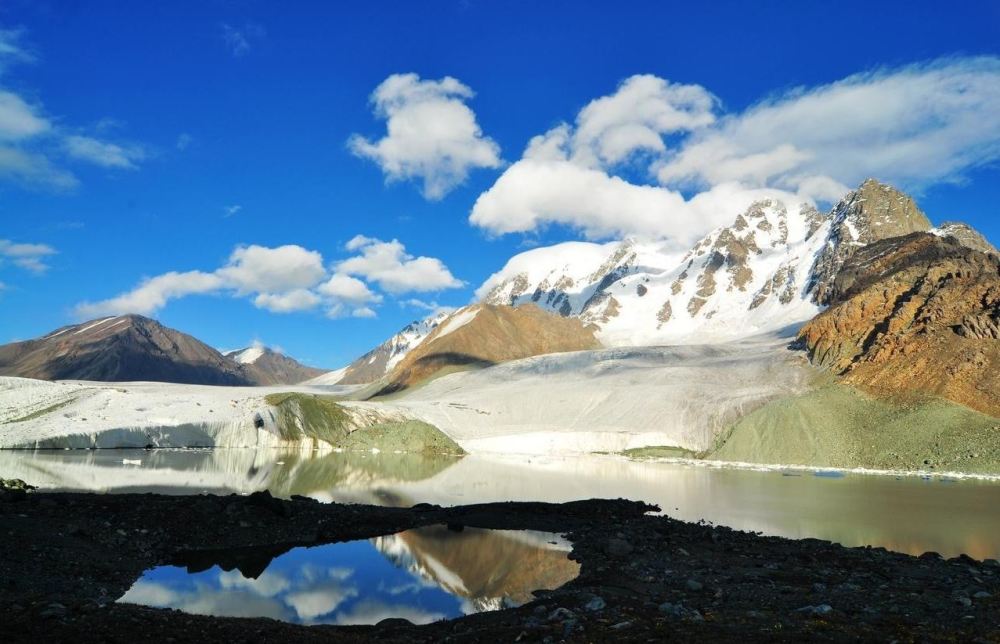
{"x":777,"y":266}
{"x":136,"y":348}
{"x":772,"y":269}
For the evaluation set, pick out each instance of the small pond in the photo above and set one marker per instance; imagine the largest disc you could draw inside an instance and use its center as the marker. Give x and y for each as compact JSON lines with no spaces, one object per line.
{"x":422,"y":575}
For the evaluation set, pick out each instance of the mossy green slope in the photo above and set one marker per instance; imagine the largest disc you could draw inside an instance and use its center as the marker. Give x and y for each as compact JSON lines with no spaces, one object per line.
{"x":838,"y":426}
{"x":305,"y":417}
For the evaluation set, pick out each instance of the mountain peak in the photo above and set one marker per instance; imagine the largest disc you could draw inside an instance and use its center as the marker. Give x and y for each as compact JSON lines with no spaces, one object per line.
{"x":873,"y":212}
{"x":966,"y":235}
{"x":878,"y":211}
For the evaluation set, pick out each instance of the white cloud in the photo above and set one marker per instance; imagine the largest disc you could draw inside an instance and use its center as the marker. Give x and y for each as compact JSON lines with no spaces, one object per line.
{"x":313,"y":602}
{"x":371,"y":611}
{"x":533,"y":192}
{"x":229,"y":211}
{"x":153,"y":293}
{"x":33,"y":145}
{"x":30,"y":257}
{"x":913,"y":126}
{"x":284,"y":279}
{"x":13,"y":49}
{"x":273,"y":270}
{"x":269,"y":583}
{"x":394,"y":270}
{"x":18,"y":120}
{"x":239,"y":40}
{"x":358,"y":241}
{"x":636,"y":117}
{"x":299,"y":299}
{"x":34,"y":169}
{"x":184,"y":141}
{"x":431,"y":134}
{"x":103,"y":153}
{"x":348,"y":289}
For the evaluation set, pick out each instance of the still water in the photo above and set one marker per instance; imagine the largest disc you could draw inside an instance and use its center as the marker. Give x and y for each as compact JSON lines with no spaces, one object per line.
{"x":906,"y":514}
{"x":421,"y":575}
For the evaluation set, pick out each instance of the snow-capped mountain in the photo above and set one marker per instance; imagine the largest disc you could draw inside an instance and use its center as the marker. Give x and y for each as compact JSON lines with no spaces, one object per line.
{"x":767,"y":271}
{"x":269,"y":367}
{"x":383,"y":358}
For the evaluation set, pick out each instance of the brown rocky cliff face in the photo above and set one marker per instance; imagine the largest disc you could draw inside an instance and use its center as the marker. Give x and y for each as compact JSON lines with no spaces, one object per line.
{"x":914,"y":313}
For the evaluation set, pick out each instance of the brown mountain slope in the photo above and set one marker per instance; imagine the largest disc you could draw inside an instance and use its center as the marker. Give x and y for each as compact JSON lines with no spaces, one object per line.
{"x":481,"y":335}
{"x":265,"y":366}
{"x":118,"y":349}
{"x":918,"y":313}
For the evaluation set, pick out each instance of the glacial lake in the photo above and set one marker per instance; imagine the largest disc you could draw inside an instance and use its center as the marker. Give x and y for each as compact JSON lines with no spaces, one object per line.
{"x":907,"y":514}
{"x":422,"y":575}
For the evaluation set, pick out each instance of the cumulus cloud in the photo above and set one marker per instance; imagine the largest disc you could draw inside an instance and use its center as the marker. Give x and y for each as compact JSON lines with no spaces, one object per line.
{"x":348,"y":289}
{"x":103,"y":153}
{"x":532,"y":192}
{"x":299,"y":299}
{"x":273,"y":270}
{"x":284,"y":279}
{"x":30,"y":257}
{"x":431,"y":134}
{"x":389,"y":265}
{"x":636,"y":117}
{"x":153,"y":293}
{"x":913,"y":126}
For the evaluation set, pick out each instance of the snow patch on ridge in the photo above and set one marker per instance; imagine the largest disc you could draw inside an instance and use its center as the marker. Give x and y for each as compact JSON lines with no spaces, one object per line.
{"x":457,"y":321}
{"x":250,"y":355}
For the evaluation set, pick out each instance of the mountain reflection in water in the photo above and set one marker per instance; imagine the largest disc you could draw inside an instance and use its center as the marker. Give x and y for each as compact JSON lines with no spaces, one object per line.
{"x":421,"y":575}
{"x":906,"y":514}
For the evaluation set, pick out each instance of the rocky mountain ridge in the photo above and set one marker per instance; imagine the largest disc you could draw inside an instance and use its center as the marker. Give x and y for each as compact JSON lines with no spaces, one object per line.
{"x":917,"y":313}
{"x":768,"y":270}
{"x":383,"y":358}
{"x":135,"y":348}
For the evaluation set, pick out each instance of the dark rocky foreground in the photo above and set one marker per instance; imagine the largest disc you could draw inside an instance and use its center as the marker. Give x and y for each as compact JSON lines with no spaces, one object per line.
{"x":65,"y":558}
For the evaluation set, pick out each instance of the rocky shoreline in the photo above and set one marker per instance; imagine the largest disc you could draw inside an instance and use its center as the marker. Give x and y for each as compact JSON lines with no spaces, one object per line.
{"x":65,"y":558}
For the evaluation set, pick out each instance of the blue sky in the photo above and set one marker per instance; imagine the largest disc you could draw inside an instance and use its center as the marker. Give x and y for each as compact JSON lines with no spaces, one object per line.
{"x":151,"y":139}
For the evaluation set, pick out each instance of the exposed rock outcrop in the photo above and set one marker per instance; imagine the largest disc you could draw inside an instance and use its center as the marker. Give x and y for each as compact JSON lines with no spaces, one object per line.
{"x":873,"y":212}
{"x":917,"y":313}
{"x":965,"y":235}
